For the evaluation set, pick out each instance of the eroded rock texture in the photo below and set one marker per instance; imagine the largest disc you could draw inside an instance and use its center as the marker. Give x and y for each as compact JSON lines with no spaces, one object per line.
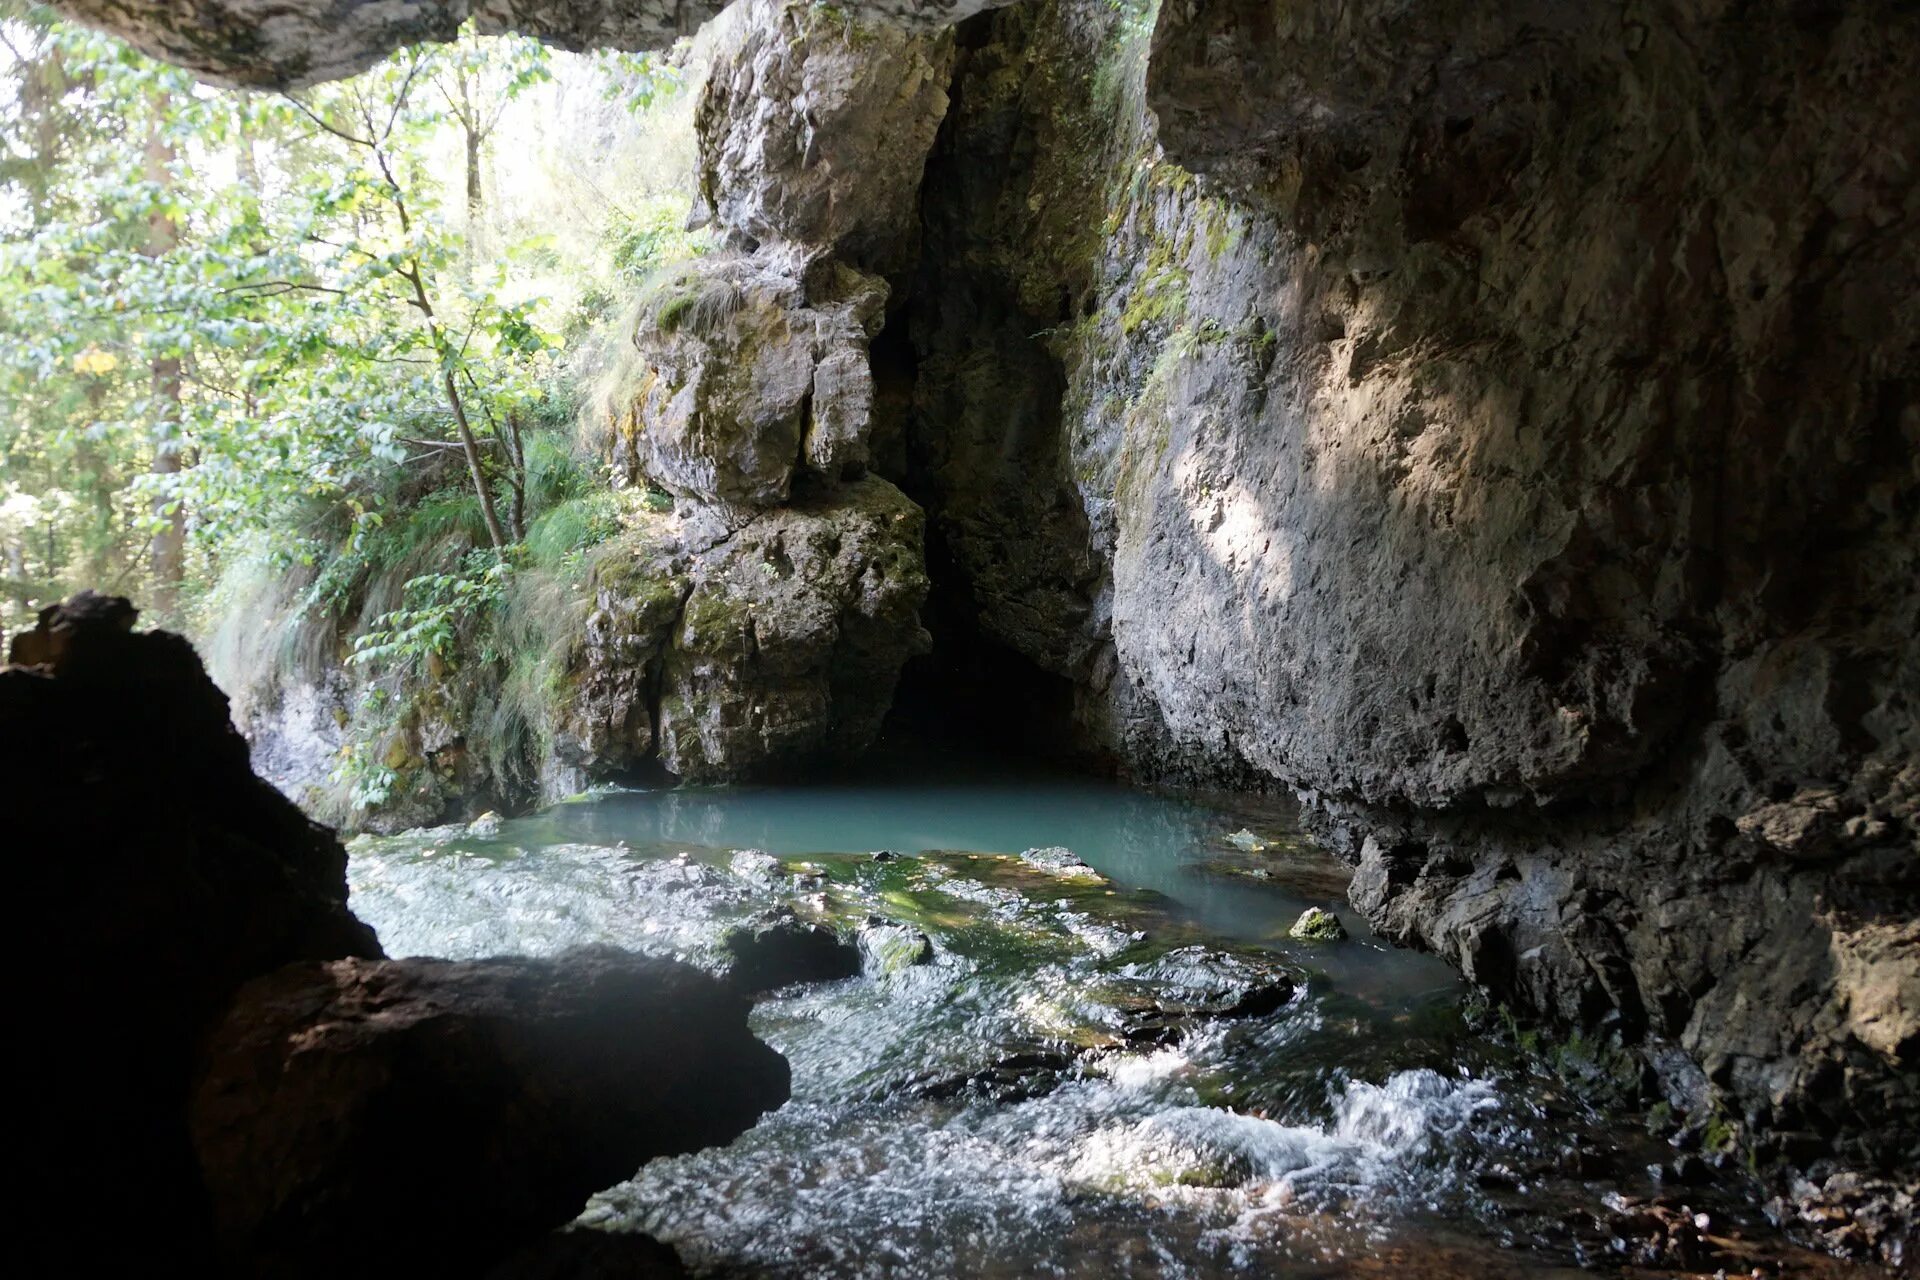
{"x":1502,"y":428}
{"x":283,"y":44}
{"x":439,"y":1115}
{"x":1569,"y":544}
{"x":765,"y":627}
{"x":815,"y":127}
{"x":723,"y":651}
{"x":1498,"y":423}
{"x":751,"y":369}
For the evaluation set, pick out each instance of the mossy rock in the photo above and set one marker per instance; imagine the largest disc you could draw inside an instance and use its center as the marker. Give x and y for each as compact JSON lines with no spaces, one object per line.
{"x":1318,"y":925}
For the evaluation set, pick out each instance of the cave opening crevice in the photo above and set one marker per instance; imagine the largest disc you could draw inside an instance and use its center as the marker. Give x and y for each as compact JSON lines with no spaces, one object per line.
{"x":968,"y":424}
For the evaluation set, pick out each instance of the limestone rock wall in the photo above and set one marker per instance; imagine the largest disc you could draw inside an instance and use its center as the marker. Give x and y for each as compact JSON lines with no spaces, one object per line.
{"x":284,"y":44}
{"x":1500,"y":427}
{"x":795,"y":573}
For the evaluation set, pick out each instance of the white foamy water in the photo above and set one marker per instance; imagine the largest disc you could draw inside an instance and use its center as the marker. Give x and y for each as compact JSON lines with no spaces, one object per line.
{"x":1057,"y":1092}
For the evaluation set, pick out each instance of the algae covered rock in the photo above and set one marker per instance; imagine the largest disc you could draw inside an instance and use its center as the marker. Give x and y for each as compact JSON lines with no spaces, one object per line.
{"x":1317,"y":925}
{"x":607,"y":720}
{"x":887,"y":947}
{"x":792,"y":640}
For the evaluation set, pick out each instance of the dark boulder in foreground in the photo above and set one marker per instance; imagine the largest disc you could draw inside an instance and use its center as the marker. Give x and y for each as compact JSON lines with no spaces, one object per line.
{"x":151,"y":874}
{"x":438,"y":1114}
{"x":218,"y":1062}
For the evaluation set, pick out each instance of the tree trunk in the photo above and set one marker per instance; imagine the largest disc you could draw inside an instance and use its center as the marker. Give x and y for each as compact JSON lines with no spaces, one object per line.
{"x":476,"y":199}
{"x":247,"y":161}
{"x":167,"y":551}
{"x":471,"y":129}
{"x":518,"y":448}
{"x":471,"y":447}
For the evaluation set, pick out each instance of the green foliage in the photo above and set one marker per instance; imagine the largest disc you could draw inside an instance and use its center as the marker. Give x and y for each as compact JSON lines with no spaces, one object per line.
{"x":425,"y":628}
{"x":641,"y":81}
{"x":296,"y":334}
{"x":692,"y":300}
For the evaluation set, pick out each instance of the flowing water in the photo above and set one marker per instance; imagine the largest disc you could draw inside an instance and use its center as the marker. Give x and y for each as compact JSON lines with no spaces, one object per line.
{"x":1114,"y":1061}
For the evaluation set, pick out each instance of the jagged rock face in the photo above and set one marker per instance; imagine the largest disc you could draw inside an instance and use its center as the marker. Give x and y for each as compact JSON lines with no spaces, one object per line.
{"x":775,"y":617}
{"x":814,"y":128}
{"x":1567,"y":462}
{"x":1509,"y":441}
{"x":1004,"y":266}
{"x":794,"y":635}
{"x":1581,"y":476}
{"x":749,"y":369}
{"x":283,"y":44}
{"x":437,"y":1115}
{"x":729,"y":651}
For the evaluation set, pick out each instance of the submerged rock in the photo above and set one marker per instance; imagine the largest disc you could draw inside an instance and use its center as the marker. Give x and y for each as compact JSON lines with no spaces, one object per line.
{"x":1159,"y":999}
{"x":778,"y":949}
{"x":1317,"y":925}
{"x":436,"y":1114}
{"x":1061,"y":862}
{"x":1013,"y":1077}
{"x":887,"y":947}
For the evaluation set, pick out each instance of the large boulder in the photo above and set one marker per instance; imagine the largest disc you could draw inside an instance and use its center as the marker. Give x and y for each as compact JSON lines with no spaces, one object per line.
{"x":193,"y":956}
{"x":722,"y":650}
{"x":746,"y":370}
{"x":437,"y":1115}
{"x":157,"y":875}
{"x":814,"y":127}
{"x":794,"y":635}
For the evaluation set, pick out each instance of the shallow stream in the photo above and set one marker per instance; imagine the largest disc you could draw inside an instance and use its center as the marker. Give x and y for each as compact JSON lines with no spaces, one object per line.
{"x":1111,"y":1060}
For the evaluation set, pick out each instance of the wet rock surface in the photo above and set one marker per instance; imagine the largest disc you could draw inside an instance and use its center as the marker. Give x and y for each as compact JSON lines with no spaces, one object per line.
{"x":1498,"y":426}
{"x":778,"y":949}
{"x":1482,"y":547}
{"x":440,"y":1114}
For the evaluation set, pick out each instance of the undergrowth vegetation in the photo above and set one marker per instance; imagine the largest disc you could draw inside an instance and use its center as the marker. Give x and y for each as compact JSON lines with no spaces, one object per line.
{"x":315,"y":378}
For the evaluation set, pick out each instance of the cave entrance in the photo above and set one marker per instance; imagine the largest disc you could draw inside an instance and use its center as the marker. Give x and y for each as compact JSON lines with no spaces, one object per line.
{"x":973,"y":693}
